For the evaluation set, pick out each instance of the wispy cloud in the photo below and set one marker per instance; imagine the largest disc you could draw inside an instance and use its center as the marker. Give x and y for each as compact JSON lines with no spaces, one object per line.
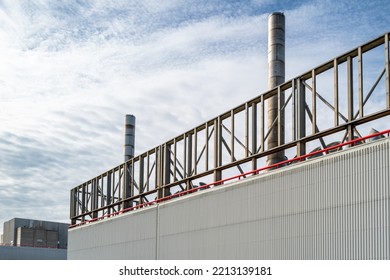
{"x":71,"y":70}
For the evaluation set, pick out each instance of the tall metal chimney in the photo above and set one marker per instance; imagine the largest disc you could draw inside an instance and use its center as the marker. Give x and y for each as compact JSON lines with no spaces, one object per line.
{"x":276,"y":76}
{"x":128,"y":150}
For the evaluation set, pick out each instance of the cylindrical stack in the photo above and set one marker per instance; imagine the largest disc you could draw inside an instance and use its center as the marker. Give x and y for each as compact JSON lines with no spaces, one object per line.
{"x":276,"y":76}
{"x":129,"y":137}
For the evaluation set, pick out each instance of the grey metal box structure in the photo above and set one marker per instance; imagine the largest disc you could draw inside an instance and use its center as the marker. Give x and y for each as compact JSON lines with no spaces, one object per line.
{"x":35,"y":233}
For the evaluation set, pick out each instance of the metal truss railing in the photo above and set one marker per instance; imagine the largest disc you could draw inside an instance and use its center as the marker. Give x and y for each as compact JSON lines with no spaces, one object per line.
{"x":327,"y":104}
{"x":313,"y":154}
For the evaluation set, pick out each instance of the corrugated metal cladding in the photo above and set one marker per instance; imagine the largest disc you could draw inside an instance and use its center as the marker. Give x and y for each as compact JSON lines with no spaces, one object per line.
{"x":334,"y":207}
{"x":122,"y":237}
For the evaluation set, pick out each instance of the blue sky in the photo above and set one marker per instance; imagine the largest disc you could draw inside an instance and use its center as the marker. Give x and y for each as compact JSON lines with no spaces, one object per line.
{"x":71,"y":70}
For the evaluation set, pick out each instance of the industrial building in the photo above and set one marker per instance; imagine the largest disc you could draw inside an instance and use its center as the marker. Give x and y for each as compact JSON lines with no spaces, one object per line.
{"x":298,"y":172}
{"x":34,"y":239}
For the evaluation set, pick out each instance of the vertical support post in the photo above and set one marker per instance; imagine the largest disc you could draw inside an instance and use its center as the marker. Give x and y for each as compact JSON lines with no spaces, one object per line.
{"x":336,"y":92}
{"x":127,"y":190}
{"x":118,"y":189}
{"x":280,"y":117}
{"x":232,"y":135}
{"x":121,"y":170}
{"x":109,"y":192}
{"x":262,"y":120}
{"x":83,"y":202}
{"x":119,"y":186}
{"x":350,"y":96}
{"x":77,"y":204}
{"x":217,"y":149}
{"x":124,"y":184}
{"x":185,"y":156}
{"x":301,"y":110}
{"x":156,"y":168}
{"x":276,"y":76}
{"x":92,"y":198}
{"x":94,"y":204}
{"x":89,"y":197}
{"x":294,"y":110}
{"x":189,"y":159}
{"x":175,"y":160}
{"x":132,"y":181}
{"x":360,"y":78}
{"x":114,"y":190}
{"x":102,"y":196}
{"x":246,"y":129}
{"x":166,"y":168}
{"x":159,"y":171}
{"x":301,"y":122}
{"x":207,"y":147}
{"x":195,"y":170}
{"x":141,"y":178}
{"x":314,"y":101}
{"x":254,"y":134}
{"x":147,"y":171}
{"x":97,"y":194}
{"x":387,"y":56}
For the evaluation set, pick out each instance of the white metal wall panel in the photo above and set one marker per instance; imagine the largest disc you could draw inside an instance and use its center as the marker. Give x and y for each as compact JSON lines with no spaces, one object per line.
{"x":334,"y":207}
{"x":128,"y":236}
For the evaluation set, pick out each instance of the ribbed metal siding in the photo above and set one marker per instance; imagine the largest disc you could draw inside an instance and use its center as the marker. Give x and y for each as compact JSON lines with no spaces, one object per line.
{"x":128,"y":236}
{"x":334,"y":207}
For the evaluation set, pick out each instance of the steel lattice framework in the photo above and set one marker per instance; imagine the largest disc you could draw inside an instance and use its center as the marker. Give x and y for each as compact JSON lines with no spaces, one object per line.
{"x":356,"y":94}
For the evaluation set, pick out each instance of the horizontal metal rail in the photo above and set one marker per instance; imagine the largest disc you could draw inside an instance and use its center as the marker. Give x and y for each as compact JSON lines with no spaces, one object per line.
{"x":332,"y":100}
